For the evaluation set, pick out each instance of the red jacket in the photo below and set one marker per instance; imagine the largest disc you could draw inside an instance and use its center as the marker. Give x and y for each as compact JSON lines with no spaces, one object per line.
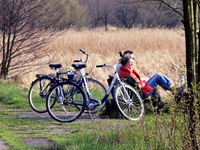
{"x":126,"y":71}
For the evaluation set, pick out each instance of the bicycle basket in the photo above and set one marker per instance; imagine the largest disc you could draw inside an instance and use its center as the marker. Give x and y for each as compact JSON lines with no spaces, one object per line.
{"x":65,"y":73}
{"x":70,"y":74}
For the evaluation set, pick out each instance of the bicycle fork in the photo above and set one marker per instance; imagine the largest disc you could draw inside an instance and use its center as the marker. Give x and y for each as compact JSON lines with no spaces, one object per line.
{"x":92,"y":104}
{"x":60,"y":97}
{"x":125,"y":94}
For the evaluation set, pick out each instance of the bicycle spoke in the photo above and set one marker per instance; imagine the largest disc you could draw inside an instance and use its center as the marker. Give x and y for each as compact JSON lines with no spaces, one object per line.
{"x":70,"y":105}
{"x":129,"y":102}
{"x":38,"y":93}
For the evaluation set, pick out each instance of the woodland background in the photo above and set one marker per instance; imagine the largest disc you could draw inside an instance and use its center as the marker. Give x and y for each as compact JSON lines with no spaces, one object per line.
{"x":36,"y":33}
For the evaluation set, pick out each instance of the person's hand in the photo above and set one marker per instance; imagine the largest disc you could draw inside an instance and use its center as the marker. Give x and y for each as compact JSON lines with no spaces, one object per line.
{"x":142,"y":84}
{"x":147,"y":89}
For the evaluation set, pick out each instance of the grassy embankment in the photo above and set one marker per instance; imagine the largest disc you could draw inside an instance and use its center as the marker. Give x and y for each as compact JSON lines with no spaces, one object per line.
{"x":156,"y":51}
{"x":167,"y":131}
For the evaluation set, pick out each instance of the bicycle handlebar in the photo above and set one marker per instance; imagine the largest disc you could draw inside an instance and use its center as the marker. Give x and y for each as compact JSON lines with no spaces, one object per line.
{"x":86,"y":59}
{"x":108,"y":65}
{"x":98,"y":66}
{"x":82,"y":51}
{"x":104,"y":65}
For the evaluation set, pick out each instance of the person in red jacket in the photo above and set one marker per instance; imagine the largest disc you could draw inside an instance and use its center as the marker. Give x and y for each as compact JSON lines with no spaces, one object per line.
{"x":148,"y":87}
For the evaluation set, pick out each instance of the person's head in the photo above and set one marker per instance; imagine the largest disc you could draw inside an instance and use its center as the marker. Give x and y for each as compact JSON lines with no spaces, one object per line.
{"x":127,"y":61}
{"x":126,"y":56}
{"x":128,"y":53}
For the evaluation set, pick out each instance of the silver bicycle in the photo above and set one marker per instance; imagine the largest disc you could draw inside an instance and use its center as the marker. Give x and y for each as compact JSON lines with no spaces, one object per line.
{"x":74,"y":100}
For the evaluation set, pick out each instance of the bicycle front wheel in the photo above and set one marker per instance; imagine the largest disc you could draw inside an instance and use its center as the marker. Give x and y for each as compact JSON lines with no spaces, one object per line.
{"x":65,"y":102}
{"x":38,"y":93}
{"x":97,"y":91}
{"x":129,"y":102}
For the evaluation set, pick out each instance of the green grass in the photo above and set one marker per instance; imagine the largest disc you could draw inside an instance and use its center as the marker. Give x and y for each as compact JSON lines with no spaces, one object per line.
{"x":12,"y":96}
{"x":167,"y":131}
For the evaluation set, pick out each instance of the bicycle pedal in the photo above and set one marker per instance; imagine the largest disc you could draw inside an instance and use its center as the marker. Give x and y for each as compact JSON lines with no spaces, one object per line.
{"x":91,"y":106}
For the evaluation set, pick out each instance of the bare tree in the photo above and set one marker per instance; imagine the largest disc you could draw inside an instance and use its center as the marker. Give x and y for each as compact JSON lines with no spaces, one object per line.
{"x":126,"y":14}
{"x":23,"y":33}
{"x":99,"y":12}
{"x":106,"y":9}
{"x":190,"y":17}
{"x":75,"y":15}
{"x":93,"y":12}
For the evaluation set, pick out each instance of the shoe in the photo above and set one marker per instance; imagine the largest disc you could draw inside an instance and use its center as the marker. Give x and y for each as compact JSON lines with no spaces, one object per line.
{"x":161,"y":106}
{"x":179,"y":94}
{"x":180,"y":90}
{"x":158,"y":111}
{"x":171,"y":89}
{"x":176,"y":90}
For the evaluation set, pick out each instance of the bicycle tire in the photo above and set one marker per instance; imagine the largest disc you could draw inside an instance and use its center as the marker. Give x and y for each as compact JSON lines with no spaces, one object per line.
{"x":131,"y":105}
{"x":68,"y":105}
{"x":97,"y":91}
{"x":38,"y":93}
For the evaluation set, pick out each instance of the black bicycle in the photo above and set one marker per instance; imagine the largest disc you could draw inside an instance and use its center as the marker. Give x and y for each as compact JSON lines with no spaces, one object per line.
{"x":40,"y":87}
{"x":42,"y":84}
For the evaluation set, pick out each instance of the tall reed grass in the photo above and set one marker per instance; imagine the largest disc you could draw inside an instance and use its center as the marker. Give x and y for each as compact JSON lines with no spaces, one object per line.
{"x":156,"y":50}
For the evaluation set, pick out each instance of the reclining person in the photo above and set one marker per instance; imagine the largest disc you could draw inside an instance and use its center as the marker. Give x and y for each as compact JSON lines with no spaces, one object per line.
{"x":127,"y":53}
{"x":149,"y":88}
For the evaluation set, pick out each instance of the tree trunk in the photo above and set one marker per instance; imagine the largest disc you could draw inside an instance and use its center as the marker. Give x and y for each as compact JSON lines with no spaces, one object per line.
{"x":196,"y":31}
{"x":190,"y":41}
{"x":191,"y":29}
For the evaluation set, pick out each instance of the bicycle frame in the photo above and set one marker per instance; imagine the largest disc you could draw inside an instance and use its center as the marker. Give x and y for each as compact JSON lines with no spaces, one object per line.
{"x":92,"y":102}
{"x":80,"y":94}
{"x":116,"y":79}
{"x":54,"y":78}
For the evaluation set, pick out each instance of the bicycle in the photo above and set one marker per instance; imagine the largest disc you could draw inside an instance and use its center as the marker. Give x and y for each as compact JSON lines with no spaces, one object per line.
{"x":73,"y":103}
{"x":41,"y":85}
{"x":93,"y":86}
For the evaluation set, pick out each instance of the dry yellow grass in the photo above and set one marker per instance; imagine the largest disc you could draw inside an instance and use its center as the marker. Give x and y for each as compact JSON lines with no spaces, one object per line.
{"x":156,"y":50}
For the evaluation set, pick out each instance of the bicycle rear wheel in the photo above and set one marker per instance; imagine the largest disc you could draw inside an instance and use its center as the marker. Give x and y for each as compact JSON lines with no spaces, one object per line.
{"x":38,"y":93}
{"x":65,"y":102}
{"x":129,"y":102}
{"x":97,"y":91}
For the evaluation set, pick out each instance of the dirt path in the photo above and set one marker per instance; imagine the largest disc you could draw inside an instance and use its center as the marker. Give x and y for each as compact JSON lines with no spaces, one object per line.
{"x":3,"y":145}
{"x":39,"y":117}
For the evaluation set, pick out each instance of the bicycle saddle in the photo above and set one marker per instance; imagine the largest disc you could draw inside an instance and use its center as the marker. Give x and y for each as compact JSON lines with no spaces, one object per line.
{"x":79,"y":66}
{"x":55,"y":66}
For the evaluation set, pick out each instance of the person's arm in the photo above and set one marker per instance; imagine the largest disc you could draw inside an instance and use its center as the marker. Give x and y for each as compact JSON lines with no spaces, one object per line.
{"x":145,"y":87}
{"x":118,"y":68}
{"x":142,"y":84}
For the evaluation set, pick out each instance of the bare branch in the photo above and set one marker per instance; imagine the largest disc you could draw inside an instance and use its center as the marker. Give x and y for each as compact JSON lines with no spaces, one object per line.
{"x":25,"y":31}
{"x":173,"y":8}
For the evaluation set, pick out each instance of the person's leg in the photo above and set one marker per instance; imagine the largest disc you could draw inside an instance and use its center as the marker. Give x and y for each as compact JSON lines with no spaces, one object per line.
{"x":155,"y":98}
{"x":160,"y":80}
{"x":157,"y":102}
